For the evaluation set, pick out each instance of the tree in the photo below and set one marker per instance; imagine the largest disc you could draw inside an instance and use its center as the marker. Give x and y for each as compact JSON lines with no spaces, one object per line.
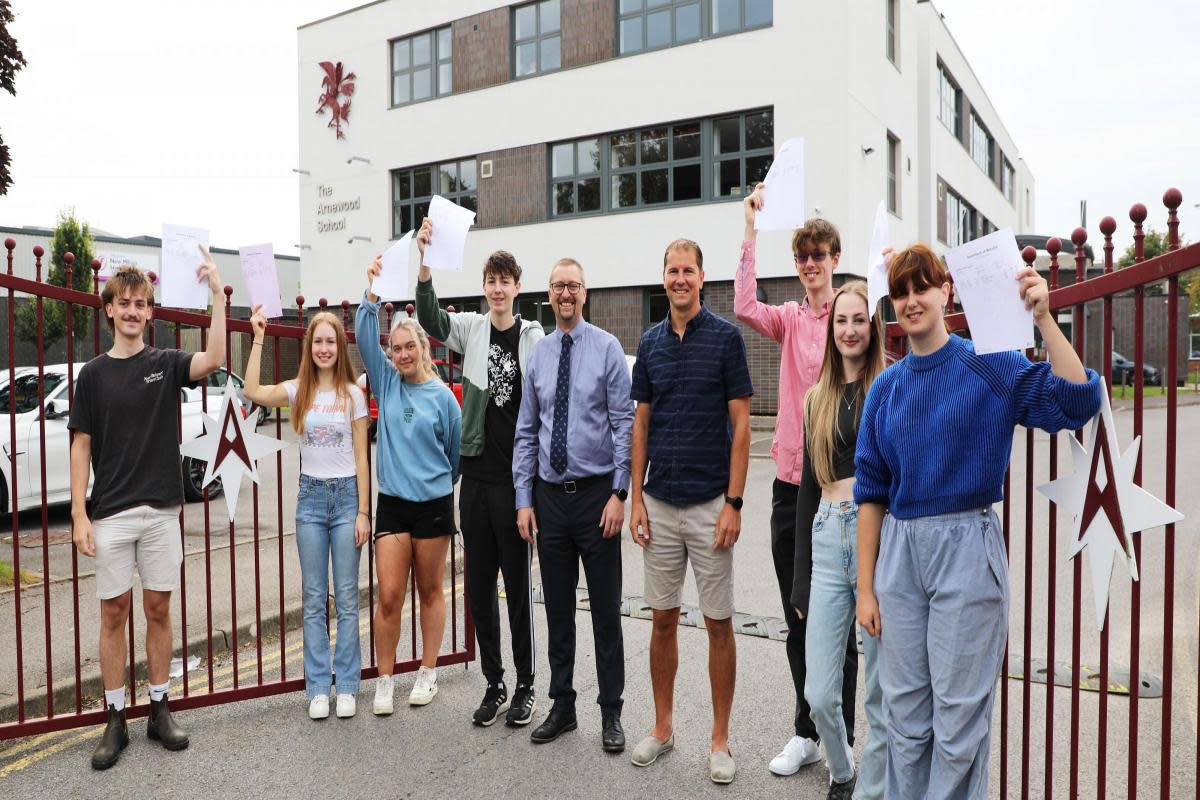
{"x":11,"y":62}
{"x":70,"y":236}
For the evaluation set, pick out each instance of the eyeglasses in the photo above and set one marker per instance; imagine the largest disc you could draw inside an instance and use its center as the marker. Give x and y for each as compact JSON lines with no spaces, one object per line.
{"x":570,"y":288}
{"x":817,"y":256}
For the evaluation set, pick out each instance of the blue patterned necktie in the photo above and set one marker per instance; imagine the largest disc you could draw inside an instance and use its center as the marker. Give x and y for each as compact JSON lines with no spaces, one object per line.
{"x":562,"y":398}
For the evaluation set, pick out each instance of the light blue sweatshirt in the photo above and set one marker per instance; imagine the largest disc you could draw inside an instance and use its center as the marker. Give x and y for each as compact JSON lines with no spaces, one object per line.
{"x":420,"y":424}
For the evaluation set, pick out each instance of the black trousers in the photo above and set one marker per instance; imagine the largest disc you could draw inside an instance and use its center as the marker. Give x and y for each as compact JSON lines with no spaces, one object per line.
{"x":783,"y":552}
{"x":487,"y":514}
{"x":568,"y":531}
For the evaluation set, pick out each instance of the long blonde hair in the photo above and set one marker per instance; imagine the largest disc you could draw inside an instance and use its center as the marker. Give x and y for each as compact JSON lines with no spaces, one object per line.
{"x":821,"y":401}
{"x":306,"y":379}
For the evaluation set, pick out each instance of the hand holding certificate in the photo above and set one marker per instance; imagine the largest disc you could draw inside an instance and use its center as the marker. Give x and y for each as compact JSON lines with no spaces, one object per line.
{"x":182,"y":285}
{"x":985,"y":276}
{"x":783,"y":191}
{"x":262,"y":280}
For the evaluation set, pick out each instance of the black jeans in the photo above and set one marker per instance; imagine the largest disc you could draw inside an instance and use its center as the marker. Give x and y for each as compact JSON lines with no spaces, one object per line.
{"x":569,"y":530}
{"x":783,"y":552}
{"x":487,"y":514}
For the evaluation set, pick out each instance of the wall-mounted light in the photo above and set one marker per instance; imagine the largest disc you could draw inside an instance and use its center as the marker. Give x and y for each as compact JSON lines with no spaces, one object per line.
{"x":867,"y":151}
{"x":353,"y":239}
{"x":363,"y":159}
{"x":299,"y":171}
{"x":302,"y":246}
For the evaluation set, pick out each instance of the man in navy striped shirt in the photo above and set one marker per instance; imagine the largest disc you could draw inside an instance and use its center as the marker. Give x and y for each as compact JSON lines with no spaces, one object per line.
{"x":692,"y":427}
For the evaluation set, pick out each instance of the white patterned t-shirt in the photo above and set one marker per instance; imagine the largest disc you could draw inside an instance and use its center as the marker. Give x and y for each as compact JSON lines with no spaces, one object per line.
{"x":327,"y":444}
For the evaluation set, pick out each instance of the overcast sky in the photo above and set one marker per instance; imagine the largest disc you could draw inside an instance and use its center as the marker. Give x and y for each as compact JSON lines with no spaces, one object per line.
{"x":145,"y":111}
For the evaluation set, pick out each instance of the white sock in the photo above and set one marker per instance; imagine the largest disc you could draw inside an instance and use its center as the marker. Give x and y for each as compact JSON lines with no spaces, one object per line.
{"x":115,"y":698}
{"x":160,"y":691}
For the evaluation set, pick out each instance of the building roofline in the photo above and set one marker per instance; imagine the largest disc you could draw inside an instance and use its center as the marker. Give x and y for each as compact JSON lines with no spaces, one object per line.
{"x":139,"y":241}
{"x":339,"y":14}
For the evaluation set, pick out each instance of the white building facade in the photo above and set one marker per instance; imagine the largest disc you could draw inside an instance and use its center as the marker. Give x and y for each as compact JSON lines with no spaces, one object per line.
{"x":603,"y":129}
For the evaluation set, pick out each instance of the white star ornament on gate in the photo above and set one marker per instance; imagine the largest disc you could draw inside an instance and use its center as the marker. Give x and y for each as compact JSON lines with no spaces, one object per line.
{"x":230,"y":448}
{"x":1106,"y":506}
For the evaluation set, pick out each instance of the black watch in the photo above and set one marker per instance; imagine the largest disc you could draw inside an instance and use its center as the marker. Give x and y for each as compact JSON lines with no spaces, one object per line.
{"x":621,"y":494}
{"x":736,"y":502}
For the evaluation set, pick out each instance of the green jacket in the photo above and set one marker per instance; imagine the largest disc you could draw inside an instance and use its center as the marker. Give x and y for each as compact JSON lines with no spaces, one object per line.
{"x":470,"y":334}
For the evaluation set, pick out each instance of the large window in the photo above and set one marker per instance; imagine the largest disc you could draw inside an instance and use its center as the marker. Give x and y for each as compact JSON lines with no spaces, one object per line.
{"x":961,"y":219}
{"x":421,"y":66}
{"x":681,"y":162}
{"x":1008,"y":179}
{"x":893,"y":174}
{"x":537,"y":41}
{"x":891,"y":11}
{"x":950,"y":105}
{"x":982,"y":146}
{"x":653,"y":24}
{"x":412,"y":189}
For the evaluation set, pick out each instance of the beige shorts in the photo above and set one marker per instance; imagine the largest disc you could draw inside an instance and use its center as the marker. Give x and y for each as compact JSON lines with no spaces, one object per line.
{"x":679,"y":534}
{"x":145,"y":537}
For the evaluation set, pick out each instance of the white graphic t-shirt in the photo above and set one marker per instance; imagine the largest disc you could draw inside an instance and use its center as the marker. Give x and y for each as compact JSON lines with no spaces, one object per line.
{"x":327,"y":446}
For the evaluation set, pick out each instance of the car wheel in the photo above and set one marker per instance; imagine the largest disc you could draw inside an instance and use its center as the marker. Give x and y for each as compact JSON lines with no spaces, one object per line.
{"x":193,"y":479}
{"x":263,"y":415}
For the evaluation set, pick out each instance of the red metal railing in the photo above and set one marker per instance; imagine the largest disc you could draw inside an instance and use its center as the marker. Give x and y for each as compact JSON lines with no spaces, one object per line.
{"x":40,"y":709}
{"x":1089,"y":770}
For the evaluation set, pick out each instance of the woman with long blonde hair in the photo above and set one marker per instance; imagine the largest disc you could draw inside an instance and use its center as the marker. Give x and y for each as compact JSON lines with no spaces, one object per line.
{"x":333,"y":506}
{"x":825,"y":581}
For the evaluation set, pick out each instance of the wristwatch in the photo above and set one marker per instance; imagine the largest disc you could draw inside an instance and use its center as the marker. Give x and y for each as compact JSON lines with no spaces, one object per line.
{"x":736,"y":502}
{"x":620,"y":494}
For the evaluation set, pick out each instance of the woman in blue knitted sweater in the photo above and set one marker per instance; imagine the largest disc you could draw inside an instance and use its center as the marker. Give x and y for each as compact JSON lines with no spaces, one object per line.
{"x":933,"y":586}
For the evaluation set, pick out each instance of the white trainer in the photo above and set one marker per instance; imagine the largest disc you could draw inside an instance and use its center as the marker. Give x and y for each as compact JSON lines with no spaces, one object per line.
{"x":318,"y":706}
{"x":346,"y":706}
{"x":798,"y":752}
{"x":384,"y":686}
{"x":425,"y":688}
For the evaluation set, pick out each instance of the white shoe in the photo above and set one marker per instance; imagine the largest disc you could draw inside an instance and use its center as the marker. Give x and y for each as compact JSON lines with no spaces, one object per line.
{"x":384,"y":686}
{"x":425,"y":688}
{"x":318,"y":707}
{"x":346,"y":706}
{"x":798,"y":752}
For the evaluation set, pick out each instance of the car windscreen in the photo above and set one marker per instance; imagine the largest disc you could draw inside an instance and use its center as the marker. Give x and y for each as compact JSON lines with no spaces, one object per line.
{"x":27,"y":392}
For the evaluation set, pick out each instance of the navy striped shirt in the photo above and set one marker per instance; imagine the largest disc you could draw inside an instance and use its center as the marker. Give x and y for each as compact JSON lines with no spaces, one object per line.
{"x":688,"y":383}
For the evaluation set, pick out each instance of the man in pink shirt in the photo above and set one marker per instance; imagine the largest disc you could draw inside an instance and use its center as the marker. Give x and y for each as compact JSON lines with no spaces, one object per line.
{"x":800,"y":330}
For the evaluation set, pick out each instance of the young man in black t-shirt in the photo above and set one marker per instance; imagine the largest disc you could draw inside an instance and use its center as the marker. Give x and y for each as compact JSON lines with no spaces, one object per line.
{"x":124,"y":421}
{"x":495,"y":347}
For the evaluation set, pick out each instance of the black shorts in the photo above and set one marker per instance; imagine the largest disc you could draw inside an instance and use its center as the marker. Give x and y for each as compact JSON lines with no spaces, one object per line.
{"x":426,"y":519}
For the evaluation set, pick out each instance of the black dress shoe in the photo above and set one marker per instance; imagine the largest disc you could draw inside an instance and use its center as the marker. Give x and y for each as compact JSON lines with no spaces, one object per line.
{"x":163,"y":728}
{"x":114,"y":740}
{"x":612,"y":735}
{"x":557,"y":723}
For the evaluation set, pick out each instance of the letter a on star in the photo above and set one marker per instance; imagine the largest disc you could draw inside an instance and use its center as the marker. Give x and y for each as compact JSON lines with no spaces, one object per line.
{"x":230,"y":448}
{"x":1106,"y":506}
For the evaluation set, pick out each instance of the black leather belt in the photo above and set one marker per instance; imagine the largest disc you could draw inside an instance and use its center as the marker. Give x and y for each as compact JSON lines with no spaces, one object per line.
{"x":578,"y":484}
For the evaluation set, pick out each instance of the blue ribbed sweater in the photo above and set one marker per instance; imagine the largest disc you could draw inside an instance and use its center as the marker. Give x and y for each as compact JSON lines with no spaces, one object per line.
{"x":936,"y":430}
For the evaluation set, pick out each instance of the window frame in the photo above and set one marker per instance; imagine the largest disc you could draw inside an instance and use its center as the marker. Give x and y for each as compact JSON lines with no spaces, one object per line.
{"x":414,"y":200}
{"x":436,"y":61}
{"x":982,"y":137}
{"x":891,"y":45}
{"x":706,"y":29}
{"x":965,"y":222}
{"x":893,"y":174}
{"x":946,"y":82}
{"x":1008,"y":181}
{"x":539,"y":36}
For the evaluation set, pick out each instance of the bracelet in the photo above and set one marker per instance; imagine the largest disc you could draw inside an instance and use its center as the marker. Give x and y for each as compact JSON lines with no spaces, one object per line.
{"x":256,"y":341}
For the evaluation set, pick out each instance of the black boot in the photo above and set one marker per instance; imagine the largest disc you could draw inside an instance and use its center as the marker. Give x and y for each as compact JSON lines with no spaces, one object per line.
{"x":162,"y":726}
{"x":114,"y":740}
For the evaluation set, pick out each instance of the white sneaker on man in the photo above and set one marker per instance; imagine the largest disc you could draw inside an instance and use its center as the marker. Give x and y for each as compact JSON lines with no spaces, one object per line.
{"x":425,"y":688}
{"x":318,"y":706}
{"x":384,"y":687}
{"x":346,"y":706}
{"x":798,"y":752}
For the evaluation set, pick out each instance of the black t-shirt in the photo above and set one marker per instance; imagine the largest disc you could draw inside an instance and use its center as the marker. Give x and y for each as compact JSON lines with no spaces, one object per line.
{"x":494,"y":464}
{"x":129,"y":406}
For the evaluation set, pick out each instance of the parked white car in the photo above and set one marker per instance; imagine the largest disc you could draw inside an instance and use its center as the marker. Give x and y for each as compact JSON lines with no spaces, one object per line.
{"x":58,"y":451}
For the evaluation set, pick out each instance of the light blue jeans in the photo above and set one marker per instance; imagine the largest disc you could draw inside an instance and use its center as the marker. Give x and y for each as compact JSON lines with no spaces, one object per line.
{"x":325,"y":512}
{"x":831,"y":609}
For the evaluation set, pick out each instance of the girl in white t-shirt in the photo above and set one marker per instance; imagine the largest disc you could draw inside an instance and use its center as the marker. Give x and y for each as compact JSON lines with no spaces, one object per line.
{"x":329,"y":413}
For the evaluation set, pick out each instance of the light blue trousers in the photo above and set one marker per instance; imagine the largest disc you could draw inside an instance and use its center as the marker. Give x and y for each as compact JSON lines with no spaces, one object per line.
{"x":831,"y":607}
{"x":325,"y":511}
{"x":942,"y":586}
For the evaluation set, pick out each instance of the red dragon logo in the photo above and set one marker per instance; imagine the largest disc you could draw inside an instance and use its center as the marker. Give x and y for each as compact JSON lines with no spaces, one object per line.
{"x":333,"y":86}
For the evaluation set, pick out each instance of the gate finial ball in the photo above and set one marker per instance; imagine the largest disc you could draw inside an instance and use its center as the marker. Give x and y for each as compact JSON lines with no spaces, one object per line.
{"x":1053,"y":245}
{"x":1108,"y":226}
{"x":1079,"y":237}
{"x":1029,"y":254}
{"x":1137,"y":213}
{"x":10,"y":244}
{"x":38,"y":251}
{"x":1172,"y":198}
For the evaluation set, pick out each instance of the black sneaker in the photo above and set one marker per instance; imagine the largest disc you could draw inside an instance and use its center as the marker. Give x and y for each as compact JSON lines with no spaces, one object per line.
{"x":493,"y":700}
{"x":521,"y":710}
{"x":842,"y":791}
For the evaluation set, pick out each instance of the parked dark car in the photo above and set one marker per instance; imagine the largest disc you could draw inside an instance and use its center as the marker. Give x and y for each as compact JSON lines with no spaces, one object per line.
{"x":1123,"y":372}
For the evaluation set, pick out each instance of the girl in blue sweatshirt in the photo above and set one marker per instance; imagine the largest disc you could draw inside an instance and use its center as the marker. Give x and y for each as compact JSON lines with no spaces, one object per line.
{"x":420,"y":426}
{"x":933,"y":446}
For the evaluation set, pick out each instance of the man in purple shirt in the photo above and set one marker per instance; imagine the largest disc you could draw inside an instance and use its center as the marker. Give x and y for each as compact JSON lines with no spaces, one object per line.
{"x":571,"y":475}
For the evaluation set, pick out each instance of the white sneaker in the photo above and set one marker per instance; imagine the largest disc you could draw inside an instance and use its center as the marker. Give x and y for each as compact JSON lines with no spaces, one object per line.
{"x":318,"y":707}
{"x":346,"y":706}
{"x":425,"y":688}
{"x":798,"y":752}
{"x":384,"y":686}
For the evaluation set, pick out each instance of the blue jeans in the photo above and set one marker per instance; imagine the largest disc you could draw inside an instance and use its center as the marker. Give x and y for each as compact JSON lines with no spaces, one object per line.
{"x":325,"y":512}
{"x":831,"y":609}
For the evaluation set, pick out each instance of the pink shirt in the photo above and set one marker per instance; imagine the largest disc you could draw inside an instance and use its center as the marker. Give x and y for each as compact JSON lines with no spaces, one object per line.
{"x":802,"y":335}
